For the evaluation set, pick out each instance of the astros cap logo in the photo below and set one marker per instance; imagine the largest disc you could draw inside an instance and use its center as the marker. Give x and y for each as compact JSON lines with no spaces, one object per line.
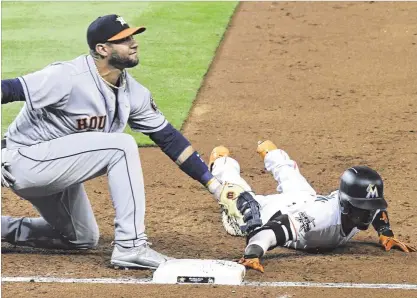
{"x":121,"y":20}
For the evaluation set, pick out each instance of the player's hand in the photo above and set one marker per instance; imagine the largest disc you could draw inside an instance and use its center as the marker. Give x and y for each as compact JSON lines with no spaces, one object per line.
{"x":215,"y":187}
{"x":228,"y":196}
{"x":390,"y":242}
{"x":232,"y":219}
{"x":252,"y":264}
{"x":7,"y":179}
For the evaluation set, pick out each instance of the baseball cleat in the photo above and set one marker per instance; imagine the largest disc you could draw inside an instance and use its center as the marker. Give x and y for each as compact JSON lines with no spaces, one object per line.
{"x":217,"y":152}
{"x":264,"y":147}
{"x":140,"y":257}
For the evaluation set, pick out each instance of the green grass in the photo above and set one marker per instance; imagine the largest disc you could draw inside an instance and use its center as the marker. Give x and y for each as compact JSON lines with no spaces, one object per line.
{"x":175,"y":51}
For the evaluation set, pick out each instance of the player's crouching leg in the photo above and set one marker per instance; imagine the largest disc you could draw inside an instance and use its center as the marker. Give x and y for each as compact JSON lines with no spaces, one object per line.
{"x":131,"y":246}
{"x":125,"y":142}
{"x":87,"y":240}
{"x":36,"y":232}
{"x":125,"y":153}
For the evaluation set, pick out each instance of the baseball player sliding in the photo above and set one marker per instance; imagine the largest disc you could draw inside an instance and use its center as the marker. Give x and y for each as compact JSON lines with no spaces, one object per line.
{"x":297,"y":217}
{"x":70,"y":130}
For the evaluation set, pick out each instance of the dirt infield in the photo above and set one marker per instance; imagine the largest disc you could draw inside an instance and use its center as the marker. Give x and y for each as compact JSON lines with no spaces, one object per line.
{"x":333,"y":84}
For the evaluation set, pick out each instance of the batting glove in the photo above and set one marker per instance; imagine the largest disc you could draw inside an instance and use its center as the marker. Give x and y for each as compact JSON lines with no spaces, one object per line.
{"x":252,"y":264}
{"x":390,"y":242}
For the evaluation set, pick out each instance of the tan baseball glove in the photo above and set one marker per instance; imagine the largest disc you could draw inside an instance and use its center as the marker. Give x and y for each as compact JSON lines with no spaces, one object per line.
{"x":232,"y":219}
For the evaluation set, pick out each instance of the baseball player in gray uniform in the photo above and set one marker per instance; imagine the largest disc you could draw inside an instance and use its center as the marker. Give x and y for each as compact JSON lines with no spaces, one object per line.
{"x":296,"y":216}
{"x":70,"y":130}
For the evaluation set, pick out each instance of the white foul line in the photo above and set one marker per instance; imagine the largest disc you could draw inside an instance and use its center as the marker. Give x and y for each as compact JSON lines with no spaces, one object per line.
{"x":245,"y":283}
{"x":78,"y":280}
{"x":331,"y":285}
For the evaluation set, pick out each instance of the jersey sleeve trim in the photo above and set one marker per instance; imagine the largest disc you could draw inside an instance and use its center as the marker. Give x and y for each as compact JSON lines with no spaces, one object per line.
{"x":26,"y":91}
{"x":147,"y":130}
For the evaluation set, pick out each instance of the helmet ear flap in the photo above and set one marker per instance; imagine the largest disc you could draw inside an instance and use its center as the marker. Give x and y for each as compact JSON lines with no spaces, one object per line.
{"x":345,"y":206}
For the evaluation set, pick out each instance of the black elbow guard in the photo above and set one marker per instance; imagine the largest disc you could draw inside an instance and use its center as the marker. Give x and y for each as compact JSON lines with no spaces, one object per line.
{"x":249,"y":208}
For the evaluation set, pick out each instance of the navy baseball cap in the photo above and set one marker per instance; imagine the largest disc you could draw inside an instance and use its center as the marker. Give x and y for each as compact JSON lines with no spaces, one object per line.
{"x":109,"y":28}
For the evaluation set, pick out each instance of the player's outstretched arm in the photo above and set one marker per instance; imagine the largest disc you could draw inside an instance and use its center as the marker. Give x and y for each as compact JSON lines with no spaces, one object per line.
{"x":386,"y":236}
{"x":276,"y":232}
{"x":179,"y":149}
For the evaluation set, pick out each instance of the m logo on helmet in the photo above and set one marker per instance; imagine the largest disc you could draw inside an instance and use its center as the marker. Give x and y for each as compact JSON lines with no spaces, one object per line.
{"x":372,"y":191}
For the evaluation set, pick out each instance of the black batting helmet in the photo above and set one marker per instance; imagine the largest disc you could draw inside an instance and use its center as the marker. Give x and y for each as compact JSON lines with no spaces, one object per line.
{"x":361,"y":193}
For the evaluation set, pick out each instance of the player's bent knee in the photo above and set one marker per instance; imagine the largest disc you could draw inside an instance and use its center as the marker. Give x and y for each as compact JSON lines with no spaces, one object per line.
{"x":93,"y":238}
{"x":93,"y":242}
{"x":126,"y":142}
{"x":84,"y":243}
{"x":87,"y":240}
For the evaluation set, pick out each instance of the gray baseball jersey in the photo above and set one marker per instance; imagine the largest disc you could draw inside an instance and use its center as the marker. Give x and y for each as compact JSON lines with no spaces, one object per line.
{"x":61,"y":138}
{"x":70,"y":97}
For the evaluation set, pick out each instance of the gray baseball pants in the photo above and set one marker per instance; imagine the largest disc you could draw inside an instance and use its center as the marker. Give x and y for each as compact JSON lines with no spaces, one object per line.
{"x":50,"y":175}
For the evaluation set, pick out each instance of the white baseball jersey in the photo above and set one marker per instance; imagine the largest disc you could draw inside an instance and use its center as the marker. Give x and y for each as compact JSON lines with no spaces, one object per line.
{"x":315,"y":219}
{"x":317,"y":224}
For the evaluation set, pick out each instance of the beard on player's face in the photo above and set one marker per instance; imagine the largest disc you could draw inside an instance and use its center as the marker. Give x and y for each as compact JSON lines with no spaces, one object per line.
{"x":121,"y":62}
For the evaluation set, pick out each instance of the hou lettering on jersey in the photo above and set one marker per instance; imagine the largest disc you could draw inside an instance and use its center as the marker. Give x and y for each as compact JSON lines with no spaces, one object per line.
{"x":91,"y":122}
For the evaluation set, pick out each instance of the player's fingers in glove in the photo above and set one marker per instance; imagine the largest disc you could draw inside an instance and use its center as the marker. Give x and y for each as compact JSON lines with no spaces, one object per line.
{"x":410,"y":248}
{"x":389,"y":242}
{"x":404,"y":247}
{"x":252,"y":263}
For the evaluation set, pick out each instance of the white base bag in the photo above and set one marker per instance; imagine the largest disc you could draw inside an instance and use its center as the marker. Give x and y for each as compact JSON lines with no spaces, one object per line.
{"x":197,"y":271}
